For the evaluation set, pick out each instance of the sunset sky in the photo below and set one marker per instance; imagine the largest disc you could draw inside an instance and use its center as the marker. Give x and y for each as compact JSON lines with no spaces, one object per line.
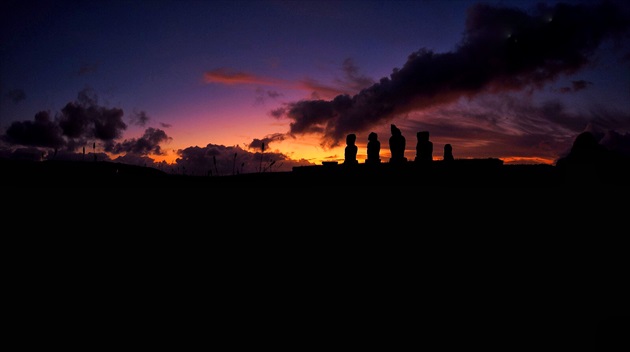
{"x":202,"y":85}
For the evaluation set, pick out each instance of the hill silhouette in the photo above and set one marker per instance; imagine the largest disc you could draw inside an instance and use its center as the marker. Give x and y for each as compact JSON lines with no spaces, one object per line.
{"x":588,"y":163}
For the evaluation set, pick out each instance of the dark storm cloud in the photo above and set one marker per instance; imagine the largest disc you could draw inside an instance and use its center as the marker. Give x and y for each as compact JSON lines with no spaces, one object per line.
{"x":257,"y":144}
{"x":503,"y":49}
{"x":16,"y":95}
{"x":576,"y":86}
{"x":91,"y":121}
{"x":84,"y":119}
{"x":79,"y":123}
{"x":149,"y":143}
{"x":43,"y":131}
{"x":139,"y":118}
{"x":352,"y":79}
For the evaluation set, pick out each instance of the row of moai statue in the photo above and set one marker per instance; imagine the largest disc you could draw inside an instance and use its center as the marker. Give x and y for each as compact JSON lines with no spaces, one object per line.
{"x":397,"y":144}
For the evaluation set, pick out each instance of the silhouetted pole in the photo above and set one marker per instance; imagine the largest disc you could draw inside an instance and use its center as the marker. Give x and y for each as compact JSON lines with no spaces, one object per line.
{"x":234,"y":165}
{"x":262,"y":148}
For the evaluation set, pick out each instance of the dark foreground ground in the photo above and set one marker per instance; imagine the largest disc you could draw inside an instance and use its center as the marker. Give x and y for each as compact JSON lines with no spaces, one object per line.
{"x":438,"y":174}
{"x":358,"y":260}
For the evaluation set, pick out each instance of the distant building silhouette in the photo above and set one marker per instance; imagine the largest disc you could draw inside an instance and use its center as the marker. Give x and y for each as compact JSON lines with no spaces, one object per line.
{"x":350,"y":153}
{"x":424,"y":147}
{"x":448,"y":152}
{"x":373,"y":149}
{"x":397,"y":145}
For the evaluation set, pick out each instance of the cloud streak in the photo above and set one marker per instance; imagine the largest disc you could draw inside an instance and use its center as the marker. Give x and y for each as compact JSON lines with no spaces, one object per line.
{"x":351,"y":81}
{"x":514,"y":128}
{"x":503,"y":49}
{"x":228,"y":76}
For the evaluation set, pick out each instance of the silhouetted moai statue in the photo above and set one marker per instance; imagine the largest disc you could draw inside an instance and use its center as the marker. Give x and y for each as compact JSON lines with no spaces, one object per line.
{"x":424,"y":148}
{"x":448,"y":152}
{"x":397,"y":145}
{"x":373,"y":149}
{"x":350,"y":153}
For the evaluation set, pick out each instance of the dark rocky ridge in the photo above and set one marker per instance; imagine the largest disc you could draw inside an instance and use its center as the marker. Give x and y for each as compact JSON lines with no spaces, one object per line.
{"x":588,"y":164}
{"x":457,"y":173}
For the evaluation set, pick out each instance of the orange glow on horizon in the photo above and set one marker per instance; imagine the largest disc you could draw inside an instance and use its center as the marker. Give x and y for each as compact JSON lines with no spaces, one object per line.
{"x":316,"y":155}
{"x":527,"y":160}
{"x":169,"y":158}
